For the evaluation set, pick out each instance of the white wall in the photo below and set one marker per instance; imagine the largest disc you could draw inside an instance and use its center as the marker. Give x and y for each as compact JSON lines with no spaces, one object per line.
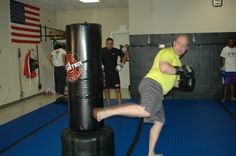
{"x":109,"y":18}
{"x":5,"y":57}
{"x":9,"y":69}
{"x":180,"y":16}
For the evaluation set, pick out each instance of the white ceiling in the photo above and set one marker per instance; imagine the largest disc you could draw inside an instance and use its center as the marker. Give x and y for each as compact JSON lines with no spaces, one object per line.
{"x":76,"y":4}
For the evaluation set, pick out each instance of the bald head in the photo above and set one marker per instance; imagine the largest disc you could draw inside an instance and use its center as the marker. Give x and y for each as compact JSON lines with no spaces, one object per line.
{"x":180,"y":44}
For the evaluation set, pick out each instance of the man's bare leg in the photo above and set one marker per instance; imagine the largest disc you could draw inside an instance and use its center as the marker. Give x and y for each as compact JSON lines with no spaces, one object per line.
{"x":118,"y":95}
{"x":225,"y":93}
{"x":130,"y":110}
{"x":153,"y":137}
{"x":232,"y":92}
{"x":107,"y":96}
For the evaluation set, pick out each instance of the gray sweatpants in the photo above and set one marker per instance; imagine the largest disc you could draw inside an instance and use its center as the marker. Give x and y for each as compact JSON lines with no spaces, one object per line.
{"x":151,"y":99}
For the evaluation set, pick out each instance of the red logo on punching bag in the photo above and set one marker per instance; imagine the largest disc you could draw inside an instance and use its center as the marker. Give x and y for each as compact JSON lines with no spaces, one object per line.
{"x":73,"y":68}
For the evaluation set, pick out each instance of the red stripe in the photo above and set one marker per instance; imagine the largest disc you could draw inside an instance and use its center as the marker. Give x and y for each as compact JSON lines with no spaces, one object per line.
{"x":32,"y":24}
{"x":31,"y":18}
{"x":31,"y":12}
{"x":24,"y":41}
{"x":24,"y":35}
{"x":31,"y":7}
{"x":24,"y":29}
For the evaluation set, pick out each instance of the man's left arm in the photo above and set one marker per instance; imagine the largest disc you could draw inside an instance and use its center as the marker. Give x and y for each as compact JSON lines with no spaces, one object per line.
{"x":64,"y":57}
{"x":123,"y":57}
{"x":176,"y":85}
{"x":50,"y":59}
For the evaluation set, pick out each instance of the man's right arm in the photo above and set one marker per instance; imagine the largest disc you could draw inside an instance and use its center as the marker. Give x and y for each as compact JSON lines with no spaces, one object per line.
{"x":222,"y":62}
{"x":101,"y":58}
{"x":166,"y":68}
{"x":100,"y":55}
{"x":165,"y":61}
{"x":222,"y":55}
{"x":50,"y":58}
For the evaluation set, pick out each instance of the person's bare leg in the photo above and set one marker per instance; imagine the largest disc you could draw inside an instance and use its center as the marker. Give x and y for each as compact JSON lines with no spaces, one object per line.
{"x":107,"y":96}
{"x":225,"y":93}
{"x":130,"y":110}
{"x":153,"y":137}
{"x":118,"y":95}
{"x":232,"y":92}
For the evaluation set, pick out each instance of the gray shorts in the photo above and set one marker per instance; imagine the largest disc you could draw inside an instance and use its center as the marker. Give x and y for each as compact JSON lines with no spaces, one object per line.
{"x":151,"y":99}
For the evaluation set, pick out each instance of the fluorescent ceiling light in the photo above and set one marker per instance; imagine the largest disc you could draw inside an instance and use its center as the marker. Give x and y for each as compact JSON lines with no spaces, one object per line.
{"x":89,"y":1}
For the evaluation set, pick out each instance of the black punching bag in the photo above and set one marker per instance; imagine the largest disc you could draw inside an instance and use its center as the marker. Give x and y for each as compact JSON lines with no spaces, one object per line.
{"x":86,"y":136}
{"x":84,"y":74}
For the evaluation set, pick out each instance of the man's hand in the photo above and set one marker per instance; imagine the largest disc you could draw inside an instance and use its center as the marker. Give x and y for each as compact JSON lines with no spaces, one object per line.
{"x":187,"y":83}
{"x":119,"y":67}
{"x":176,"y":85}
{"x":187,"y":79}
{"x":222,"y":71}
{"x":50,"y":59}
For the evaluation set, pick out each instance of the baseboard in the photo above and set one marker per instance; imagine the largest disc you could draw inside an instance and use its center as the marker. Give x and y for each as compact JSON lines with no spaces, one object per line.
{"x":21,"y":100}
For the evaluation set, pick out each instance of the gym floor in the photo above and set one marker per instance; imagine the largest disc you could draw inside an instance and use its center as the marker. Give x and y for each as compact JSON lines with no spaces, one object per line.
{"x":193,"y":128}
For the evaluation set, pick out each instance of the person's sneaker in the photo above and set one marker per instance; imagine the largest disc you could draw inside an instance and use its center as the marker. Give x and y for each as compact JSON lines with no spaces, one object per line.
{"x":222,"y":100}
{"x":158,"y":154}
{"x":233,"y":99}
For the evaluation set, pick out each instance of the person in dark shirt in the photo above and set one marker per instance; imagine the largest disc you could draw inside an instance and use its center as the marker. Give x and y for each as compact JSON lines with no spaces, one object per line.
{"x":109,"y":56}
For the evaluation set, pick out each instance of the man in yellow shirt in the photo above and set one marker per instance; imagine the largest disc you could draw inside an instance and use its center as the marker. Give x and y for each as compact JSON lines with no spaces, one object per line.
{"x":163,"y":76}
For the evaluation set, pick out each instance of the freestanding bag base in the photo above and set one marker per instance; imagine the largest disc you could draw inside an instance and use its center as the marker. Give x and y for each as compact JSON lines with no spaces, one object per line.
{"x":88,"y":143}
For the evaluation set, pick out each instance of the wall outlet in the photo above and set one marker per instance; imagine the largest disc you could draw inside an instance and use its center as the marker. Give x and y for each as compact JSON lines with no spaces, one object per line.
{"x":161,"y":46}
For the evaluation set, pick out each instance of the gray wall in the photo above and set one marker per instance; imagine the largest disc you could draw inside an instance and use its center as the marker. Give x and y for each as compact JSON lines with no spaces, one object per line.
{"x":203,"y":56}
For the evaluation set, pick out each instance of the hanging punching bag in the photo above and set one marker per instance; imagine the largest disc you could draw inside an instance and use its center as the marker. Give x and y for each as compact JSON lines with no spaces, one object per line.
{"x":86,"y":136}
{"x":84,"y":74}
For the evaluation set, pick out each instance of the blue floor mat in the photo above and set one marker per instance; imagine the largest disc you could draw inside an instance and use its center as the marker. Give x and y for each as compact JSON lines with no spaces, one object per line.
{"x":47,"y":142}
{"x":192,"y":128}
{"x":15,"y":129}
{"x":231,"y":106}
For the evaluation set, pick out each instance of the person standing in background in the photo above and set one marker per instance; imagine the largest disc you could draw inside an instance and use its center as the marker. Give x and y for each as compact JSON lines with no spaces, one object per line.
{"x":228,"y":68}
{"x":109,"y":56}
{"x":57,"y":59}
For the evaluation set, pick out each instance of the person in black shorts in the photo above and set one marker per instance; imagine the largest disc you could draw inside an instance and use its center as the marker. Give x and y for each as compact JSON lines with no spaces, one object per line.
{"x":109,"y":56}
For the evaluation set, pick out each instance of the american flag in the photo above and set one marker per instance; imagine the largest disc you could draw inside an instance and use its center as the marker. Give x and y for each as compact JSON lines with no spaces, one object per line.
{"x":25,"y":23}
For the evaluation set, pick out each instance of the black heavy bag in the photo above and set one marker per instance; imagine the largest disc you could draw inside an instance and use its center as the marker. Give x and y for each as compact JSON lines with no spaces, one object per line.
{"x":84,"y":74}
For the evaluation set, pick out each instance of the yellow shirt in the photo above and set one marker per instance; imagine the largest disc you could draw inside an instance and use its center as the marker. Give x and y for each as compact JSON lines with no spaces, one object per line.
{"x":166,"y":81}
